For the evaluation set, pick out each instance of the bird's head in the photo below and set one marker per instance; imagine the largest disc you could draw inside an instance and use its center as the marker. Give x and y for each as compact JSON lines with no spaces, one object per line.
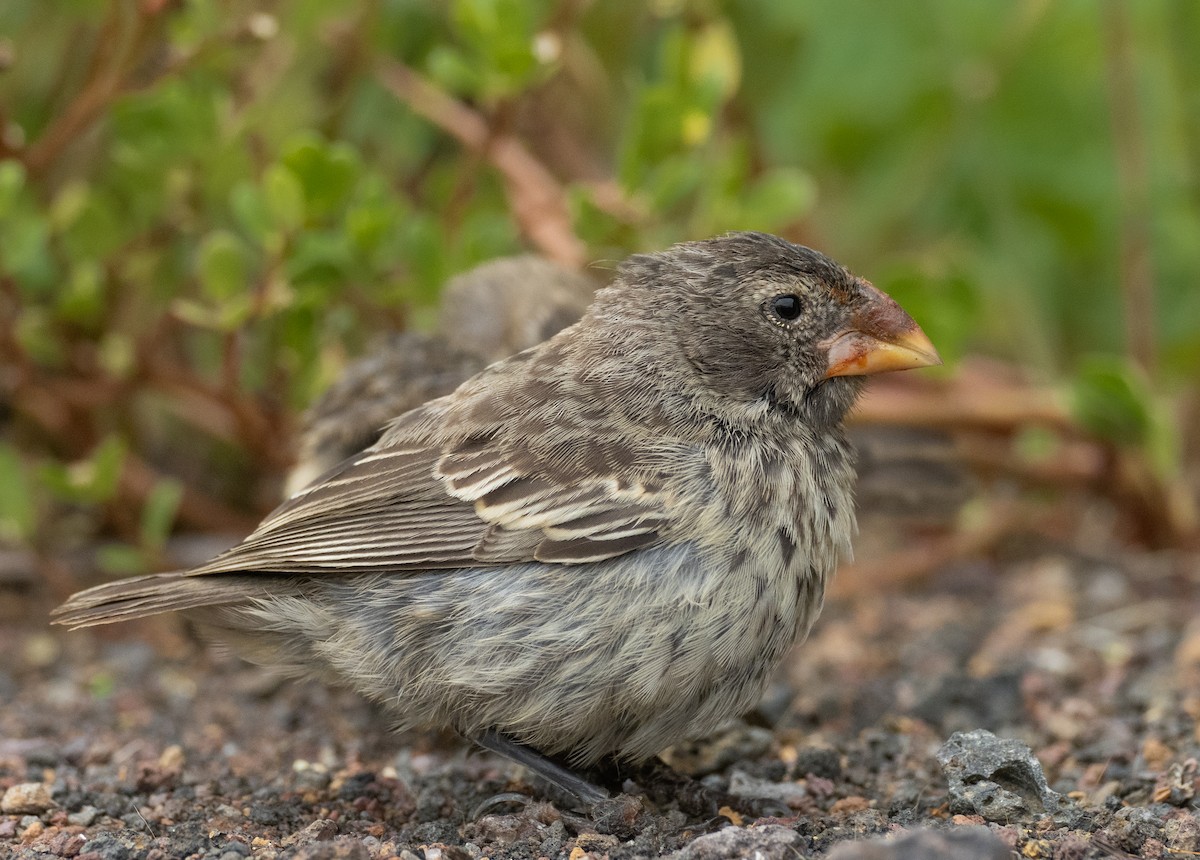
{"x":766,"y":324}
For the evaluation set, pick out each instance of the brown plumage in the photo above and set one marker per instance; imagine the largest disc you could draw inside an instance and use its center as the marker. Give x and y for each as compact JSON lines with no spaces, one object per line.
{"x":487,"y":313}
{"x":598,"y":547}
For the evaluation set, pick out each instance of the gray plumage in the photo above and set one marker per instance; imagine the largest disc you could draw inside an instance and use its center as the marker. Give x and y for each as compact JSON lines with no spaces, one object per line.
{"x":599,"y":546}
{"x":487,"y":313}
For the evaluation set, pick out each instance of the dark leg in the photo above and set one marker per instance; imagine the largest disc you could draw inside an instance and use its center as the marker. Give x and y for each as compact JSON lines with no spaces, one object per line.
{"x":553,"y":772}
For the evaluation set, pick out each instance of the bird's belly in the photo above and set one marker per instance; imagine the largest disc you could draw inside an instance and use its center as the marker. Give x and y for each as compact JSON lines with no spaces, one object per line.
{"x":625,"y":656}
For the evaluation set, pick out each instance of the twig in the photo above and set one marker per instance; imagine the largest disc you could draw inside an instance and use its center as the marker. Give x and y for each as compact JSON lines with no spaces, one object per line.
{"x":909,"y":565}
{"x":103,"y":83}
{"x":149,"y":829}
{"x":536,"y":198}
{"x":974,"y":398}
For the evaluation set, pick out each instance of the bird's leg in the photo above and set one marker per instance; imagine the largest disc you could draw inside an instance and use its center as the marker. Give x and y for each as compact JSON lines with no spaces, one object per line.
{"x":547,"y":768}
{"x":661,"y":783}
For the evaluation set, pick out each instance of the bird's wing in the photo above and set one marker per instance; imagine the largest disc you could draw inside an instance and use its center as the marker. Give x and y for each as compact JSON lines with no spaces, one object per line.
{"x":411,"y":504}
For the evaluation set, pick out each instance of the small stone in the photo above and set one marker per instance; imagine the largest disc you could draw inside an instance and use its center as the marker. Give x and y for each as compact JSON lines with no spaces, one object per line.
{"x":770,"y":842}
{"x":965,"y":843}
{"x":998,"y":778}
{"x":1182,"y":833}
{"x":597,"y":842}
{"x":321,"y":830}
{"x":849,"y":805}
{"x":172,"y":758}
{"x":41,"y":650}
{"x":506,"y":829}
{"x":26,"y":797}
{"x":84,"y":816}
{"x":790,"y":794}
{"x":441,"y":851}
{"x":227,"y":811}
{"x":341,"y":848}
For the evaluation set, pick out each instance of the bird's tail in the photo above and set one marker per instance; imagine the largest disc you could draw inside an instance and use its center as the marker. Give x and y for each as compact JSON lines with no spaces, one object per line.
{"x":139,"y":596}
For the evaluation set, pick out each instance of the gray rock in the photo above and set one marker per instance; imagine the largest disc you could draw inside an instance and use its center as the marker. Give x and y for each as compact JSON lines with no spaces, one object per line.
{"x":998,"y":778}
{"x":30,"y":797}
{"x":84,"y":816}
{"x":741,"y":784}
{"x":770,"y":842}
{"x":965,"y":843}
{"x":339,"y":848}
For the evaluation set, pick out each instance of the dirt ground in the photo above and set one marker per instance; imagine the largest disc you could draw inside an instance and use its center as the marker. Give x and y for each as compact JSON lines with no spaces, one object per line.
{"x":141,"y":741}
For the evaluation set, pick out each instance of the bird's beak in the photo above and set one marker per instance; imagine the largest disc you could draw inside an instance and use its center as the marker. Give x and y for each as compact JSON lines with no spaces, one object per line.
{"x":878,"y":338}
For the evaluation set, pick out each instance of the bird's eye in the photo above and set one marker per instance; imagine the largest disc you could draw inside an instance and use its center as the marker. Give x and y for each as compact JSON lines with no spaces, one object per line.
{"x":786,"y":307}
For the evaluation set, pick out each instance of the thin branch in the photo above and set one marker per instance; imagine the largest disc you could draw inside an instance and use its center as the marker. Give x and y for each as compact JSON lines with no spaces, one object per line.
{"x":914,"y":563}
{"x":102,"y":85}
{"x":537,"y":200}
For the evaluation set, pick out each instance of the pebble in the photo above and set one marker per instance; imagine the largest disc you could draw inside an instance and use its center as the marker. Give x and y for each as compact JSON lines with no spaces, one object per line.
{"x":997,"y":778}
{"x":84,"y":816}
{"x":32,"y":797}
{"x":742,"y":784}
{"x":770,"y":842}
{"x":967,"y":843}
{"x":228,"y":811}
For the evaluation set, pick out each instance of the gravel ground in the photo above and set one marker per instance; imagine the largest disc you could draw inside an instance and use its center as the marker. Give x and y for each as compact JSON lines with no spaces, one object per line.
{"x":911,"y":724}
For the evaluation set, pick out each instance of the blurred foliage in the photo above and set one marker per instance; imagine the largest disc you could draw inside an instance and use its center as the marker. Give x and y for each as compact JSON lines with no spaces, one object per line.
{"x":206,"y":206}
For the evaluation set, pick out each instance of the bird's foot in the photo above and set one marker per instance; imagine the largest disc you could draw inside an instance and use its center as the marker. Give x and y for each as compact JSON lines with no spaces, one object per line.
{"x":554,"y":772}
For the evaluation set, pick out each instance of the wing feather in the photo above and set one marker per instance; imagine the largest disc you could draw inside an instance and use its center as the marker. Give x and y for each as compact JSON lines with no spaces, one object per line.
{"x":412,"y":504}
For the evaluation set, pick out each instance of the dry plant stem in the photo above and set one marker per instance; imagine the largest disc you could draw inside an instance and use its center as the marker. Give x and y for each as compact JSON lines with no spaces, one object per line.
{"x":56,"y":405}
{"x":965,"y":401}
{"x":910,"y":565}
{"x":111,"y":73}
{"x":536,"y":198}
{"x":115,"y":55}
{"x":1133,"y":182}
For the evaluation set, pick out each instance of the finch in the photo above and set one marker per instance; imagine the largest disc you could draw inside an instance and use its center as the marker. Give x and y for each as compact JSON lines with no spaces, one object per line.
{"x":487,"y":313}
{"x":591,"y":550}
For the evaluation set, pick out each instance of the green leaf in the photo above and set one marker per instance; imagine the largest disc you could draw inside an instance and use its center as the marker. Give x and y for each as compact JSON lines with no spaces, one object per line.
{"x":121,"y":559}
{"x":222,"y":266}
{"x":69,"y":204}
{"x":18,"y":508}
{"x":452,"y":70}
{"x":1112,"y":400}
{"x":779,"y":197}
{"x":250,"y":210}
{"x":321,"y":257}
{"x":158,"y":513}
{"x":12,"y":182}
{"x":82,"y":300}
{"x":105,"y":468}
{"x":117,"y":354}
{"x":25,"y":254}
{"x":36,"y":334}
{"x":327,"y":172}
{"x":715,"y":59}
{"x":285,"y":197}
{"x":102,"y":685}
{"x":88,"y":481}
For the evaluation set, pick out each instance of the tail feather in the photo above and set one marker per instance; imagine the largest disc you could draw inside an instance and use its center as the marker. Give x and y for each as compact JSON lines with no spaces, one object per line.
{"x":126,"y":599}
